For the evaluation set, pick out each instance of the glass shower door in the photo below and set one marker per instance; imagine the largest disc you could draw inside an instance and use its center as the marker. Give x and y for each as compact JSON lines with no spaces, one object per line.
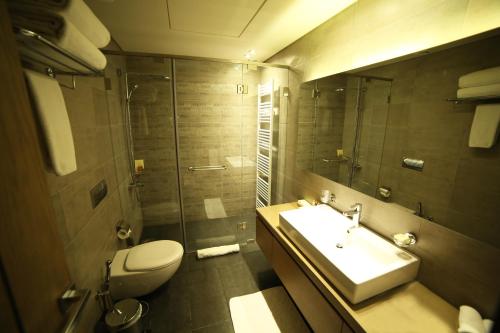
{"x":152,"y":143}
{"x":210,"y":132}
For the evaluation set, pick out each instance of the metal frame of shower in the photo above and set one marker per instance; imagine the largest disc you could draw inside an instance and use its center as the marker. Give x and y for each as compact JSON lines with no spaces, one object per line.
{"x":172,"y":80}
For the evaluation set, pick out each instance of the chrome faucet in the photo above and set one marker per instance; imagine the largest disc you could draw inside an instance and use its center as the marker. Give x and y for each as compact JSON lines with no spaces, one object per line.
{"x":355,"y":214}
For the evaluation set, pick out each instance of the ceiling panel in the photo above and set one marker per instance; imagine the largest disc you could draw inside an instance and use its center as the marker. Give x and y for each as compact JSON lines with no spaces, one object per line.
{"x":207,"y":28}
{"x":227,"y":18}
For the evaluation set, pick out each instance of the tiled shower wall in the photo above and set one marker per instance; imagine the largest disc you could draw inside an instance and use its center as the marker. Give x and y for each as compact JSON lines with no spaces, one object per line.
{"x":88,"y":234}
{"x":216,"y":126}
{"x":152,"y":119}
{"x":329,"y":126}
{"x":321,"y":126}
{"x":373,"y":115}
{"x":305,"y":126}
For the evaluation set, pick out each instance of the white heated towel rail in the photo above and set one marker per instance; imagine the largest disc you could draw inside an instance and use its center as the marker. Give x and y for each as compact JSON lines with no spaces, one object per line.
{"x":264,"y":144}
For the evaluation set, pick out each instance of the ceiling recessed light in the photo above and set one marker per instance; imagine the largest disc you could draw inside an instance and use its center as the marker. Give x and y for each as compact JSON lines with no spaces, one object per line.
{"x":250,"y":54}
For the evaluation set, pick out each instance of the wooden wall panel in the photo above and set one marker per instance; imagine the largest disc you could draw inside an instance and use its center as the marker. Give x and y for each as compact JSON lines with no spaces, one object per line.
{"x":30,"y":247}
{"x":7,"y":311}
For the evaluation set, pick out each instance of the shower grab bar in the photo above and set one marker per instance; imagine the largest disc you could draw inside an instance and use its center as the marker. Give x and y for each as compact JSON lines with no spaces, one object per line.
{"x":339,"y":160}
{"x":207,"y":167}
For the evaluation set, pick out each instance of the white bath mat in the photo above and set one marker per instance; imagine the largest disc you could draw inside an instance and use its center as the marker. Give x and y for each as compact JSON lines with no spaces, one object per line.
{"x":269,"y":311}
{"x":214,"y":208}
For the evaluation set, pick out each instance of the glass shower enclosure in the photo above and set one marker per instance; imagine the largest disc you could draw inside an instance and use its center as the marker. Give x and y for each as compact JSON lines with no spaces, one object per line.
{"x":192,"y":137}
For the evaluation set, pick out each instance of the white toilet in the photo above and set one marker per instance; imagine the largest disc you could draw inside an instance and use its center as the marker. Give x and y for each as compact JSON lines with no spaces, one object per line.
{"x":143,"y":268}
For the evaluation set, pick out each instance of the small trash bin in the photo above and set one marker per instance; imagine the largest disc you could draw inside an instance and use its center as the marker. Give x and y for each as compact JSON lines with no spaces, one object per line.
{"x":125,"y":317}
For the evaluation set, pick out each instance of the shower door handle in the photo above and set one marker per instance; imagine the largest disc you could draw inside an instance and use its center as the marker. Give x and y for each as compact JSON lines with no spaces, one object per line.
{"x":207,"y":167}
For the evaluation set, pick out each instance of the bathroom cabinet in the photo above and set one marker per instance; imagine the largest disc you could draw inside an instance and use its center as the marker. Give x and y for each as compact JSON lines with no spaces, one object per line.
{"x":326,"y":310}
{"x":320,"y":315}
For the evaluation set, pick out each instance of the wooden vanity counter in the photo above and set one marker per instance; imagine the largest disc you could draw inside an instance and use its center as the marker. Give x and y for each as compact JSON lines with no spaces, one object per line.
{"x":408,"y":308}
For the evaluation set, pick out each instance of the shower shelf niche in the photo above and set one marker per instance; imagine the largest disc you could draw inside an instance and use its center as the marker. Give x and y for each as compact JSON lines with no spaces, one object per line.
{"x":43,"y":55}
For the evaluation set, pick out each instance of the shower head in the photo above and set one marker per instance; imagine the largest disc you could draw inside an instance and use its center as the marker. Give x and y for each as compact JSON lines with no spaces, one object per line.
{"x":134,"y":87}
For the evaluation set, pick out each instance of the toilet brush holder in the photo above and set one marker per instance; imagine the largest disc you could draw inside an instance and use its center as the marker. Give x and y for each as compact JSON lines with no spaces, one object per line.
{"x":105,"y":301}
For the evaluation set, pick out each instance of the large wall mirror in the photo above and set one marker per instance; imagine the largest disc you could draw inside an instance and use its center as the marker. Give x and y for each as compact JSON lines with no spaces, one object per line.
{"x":394,"y":132}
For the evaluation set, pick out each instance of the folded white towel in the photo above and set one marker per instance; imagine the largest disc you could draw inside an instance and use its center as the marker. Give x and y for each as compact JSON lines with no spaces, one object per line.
{"x":217,"y":251}
{"x":484,"y":130}
{"x":79,"y":14}
{"x":480,"y":78}
{"x":469,"y":320}
{"x":488,"y":325}
{"x":61,"y":32}
{"x":492,"y":90}
{"x":76,"y":43}
{"x":49,"y":103}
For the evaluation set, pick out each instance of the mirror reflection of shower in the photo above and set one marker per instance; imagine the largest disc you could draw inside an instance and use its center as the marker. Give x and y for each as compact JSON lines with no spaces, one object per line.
{"x":131,"y":88}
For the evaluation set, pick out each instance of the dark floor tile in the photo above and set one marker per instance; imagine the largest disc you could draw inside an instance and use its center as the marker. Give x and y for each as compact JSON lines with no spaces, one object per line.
{"x":171,"y":317}
{"x":206,"y":275}
{"x":196,"y":298}
{"x":227,"y":260}
{"x":262,"y":272}
{"x":194,"y":263}
{"x":225,"y":327}
{"x":240,"y":290}
{"x":205,"y":291}
{"x":234,"y":275}
{"x":209,"y":311}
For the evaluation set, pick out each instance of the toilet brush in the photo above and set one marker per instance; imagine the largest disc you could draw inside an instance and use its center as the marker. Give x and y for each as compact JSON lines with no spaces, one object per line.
{"x":104,"y":296}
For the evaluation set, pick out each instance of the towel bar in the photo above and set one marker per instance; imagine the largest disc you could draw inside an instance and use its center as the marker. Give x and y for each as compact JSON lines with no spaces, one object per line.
{"x":35,"y":45}
{"x":207,"y":167}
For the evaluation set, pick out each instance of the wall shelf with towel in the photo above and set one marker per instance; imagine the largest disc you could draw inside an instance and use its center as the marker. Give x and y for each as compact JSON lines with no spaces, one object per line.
{"x":39,"y":51}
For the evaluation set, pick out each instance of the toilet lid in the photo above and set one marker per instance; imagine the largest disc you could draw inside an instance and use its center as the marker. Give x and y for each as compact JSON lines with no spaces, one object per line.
{"x":153,"y":255}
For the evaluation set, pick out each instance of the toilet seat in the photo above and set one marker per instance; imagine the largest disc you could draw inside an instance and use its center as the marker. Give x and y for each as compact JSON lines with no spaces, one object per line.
{"x":153,"y":255}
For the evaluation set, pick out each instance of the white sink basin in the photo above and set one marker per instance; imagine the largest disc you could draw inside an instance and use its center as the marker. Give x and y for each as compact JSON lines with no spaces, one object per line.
{"x":365,"y":266}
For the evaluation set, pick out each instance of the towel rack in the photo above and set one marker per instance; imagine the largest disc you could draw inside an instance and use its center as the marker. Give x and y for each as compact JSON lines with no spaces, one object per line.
{"x":482,"y":100}
{"x":39,"y":51}
{"x":264,"y":144}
